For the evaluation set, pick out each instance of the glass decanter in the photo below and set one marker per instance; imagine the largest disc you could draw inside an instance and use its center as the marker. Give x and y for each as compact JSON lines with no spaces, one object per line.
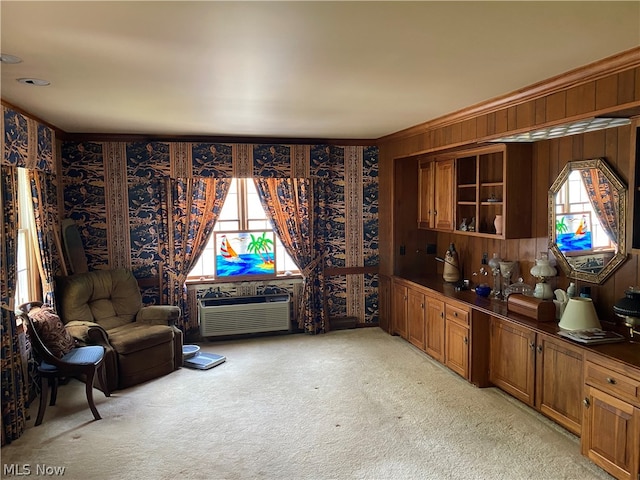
{"x":494,"y":264}
{"x":507,"y":269}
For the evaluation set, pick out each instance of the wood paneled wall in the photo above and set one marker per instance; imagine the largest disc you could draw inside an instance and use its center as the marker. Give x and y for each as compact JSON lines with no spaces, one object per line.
{"x":608,"y":87}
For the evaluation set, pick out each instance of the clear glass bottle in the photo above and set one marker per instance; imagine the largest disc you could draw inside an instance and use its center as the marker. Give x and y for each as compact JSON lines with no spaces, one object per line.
{"x":494,"y":264}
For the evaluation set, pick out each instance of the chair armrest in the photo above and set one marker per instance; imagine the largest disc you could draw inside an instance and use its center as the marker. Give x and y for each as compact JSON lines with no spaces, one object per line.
{"x":88,"y":332}
{"x":158,"y":315}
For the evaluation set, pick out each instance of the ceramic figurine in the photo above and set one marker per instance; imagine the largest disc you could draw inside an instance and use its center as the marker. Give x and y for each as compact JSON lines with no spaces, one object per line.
{"x":451,"y":272}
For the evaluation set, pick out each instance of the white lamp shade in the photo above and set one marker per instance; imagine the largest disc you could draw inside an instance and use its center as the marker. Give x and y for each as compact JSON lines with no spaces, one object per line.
{"x":542,"y":269}
{"x":579,"y":314}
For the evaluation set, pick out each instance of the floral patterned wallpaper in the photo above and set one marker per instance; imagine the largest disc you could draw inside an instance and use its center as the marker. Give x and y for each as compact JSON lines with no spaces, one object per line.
{"x":114,"y":190}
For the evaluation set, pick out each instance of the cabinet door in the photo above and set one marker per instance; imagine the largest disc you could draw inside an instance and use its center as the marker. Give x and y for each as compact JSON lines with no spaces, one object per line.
{"x":457,"y":348}
{"x":443,"y":194}
{"x":611,"y":434}
{"x":512,"y":359}
{"x":415,"y":317}
{"x":426,"y":197}
{"x":434,"y":334}
{"x":400,"y":310}
{"x":559,"y":383}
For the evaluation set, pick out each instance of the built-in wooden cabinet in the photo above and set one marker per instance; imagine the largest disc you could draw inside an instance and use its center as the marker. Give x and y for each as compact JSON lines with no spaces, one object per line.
{"x":434,"y":329}
{"x":589,"y":394}
{"x":435,"y":193}
{"x":611,"y":420}
{"x":426,"y":194}
{"x":465,"y":191}
{"x":542,"y":371}
{"x":457,"y":338}
{"x":442,"y":328}
{"x":512,"y":359}
{"x":494,"y":181}
{"x":416,"y":313}
{"x":559,"y":383}
{"x":399,"y":309}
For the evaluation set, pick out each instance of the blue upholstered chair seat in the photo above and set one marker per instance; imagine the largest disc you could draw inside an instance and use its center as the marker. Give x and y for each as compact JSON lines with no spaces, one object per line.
{"x":78,"y":356}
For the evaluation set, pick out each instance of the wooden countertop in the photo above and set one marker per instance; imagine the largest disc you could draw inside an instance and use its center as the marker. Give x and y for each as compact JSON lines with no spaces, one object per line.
{"x":626,"y":352}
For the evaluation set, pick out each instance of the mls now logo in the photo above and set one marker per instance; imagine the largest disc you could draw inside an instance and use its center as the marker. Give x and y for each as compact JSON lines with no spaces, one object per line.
{"x":26,"y":469}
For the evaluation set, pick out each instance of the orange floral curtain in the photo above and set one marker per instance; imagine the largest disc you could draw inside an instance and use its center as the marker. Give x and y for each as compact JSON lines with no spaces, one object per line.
{"x":604,"y":200}
{"x":191,"y":206}
{"x":289,"y":205}
{"x":45,"y":209}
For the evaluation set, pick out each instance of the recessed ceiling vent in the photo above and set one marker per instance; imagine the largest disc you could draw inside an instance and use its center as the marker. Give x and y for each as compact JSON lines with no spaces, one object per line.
{"x":6,"y":58}
{"x":34,"y":81}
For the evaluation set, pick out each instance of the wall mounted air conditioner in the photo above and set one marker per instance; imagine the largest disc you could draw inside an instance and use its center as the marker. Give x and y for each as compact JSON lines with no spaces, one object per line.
{"x":238,"y":315}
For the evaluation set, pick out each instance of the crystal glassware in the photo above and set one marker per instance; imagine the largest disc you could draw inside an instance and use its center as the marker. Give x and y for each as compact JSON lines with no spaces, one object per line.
{"x":494,"y":263}
{"x":506,"y":269}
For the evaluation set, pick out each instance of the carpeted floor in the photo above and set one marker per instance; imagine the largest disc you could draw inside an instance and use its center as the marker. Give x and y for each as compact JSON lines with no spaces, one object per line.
{"x":352,"y":404}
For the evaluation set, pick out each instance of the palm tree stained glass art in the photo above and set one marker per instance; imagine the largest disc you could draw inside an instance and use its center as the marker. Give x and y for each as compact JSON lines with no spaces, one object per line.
{"x":245,"y":254}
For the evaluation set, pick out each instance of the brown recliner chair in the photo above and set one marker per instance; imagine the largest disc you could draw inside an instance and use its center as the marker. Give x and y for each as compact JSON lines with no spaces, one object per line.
{"x":104,"y":307}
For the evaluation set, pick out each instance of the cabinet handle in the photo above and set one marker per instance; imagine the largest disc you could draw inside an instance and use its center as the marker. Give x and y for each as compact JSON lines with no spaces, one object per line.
{"x":611,"y":381}
{"x":466,"y":341}
{"x":455,"y":314}
{"x":586,"y":402}
{"x":441,"y":314}
{"x":435,"y":212}
{"x":532,"y":346}
{"x":422,"y":306}
{"x":539,"y":348}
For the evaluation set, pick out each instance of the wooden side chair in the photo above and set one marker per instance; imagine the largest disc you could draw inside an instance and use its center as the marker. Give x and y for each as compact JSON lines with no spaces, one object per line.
{"x":59,"y":357}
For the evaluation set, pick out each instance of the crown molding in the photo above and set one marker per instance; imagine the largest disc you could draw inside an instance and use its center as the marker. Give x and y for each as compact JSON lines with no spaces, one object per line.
{"x":608,"y":66}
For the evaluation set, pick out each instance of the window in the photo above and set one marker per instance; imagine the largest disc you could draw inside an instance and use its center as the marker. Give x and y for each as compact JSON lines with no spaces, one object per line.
{"x":242,"y":210}
{"x":27,"y":275}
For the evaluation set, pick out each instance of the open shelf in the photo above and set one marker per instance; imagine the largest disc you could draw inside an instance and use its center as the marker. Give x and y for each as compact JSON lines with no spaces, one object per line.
{"x":485,"y":183}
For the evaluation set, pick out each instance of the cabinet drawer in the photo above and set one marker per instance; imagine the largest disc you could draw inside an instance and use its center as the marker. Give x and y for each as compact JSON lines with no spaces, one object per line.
{"x":457,"y":314}
{"x":613,"y":383}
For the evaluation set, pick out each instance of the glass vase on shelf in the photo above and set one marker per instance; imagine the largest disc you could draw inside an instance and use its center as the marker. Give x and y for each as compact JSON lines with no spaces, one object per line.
{"x":494,"y":264}
{"x":507,"y":268}
{"x":497,"y":223}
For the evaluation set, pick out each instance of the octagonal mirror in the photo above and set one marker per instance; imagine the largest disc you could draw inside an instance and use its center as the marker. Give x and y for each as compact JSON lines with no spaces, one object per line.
{"x":587,"y":210}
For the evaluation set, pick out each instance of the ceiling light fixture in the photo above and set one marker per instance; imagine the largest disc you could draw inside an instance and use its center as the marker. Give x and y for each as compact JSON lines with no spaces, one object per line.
{"x":6,"y":58}
{"x":34,"y":81}
{"x":573,"y":128}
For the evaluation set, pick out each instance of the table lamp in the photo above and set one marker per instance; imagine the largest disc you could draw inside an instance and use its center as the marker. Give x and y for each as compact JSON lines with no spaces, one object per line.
{"x":579,"y":314}
{"x":543,"y":270}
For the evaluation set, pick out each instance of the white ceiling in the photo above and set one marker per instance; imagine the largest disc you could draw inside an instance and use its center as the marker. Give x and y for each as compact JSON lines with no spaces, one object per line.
{"x":332,"y":70}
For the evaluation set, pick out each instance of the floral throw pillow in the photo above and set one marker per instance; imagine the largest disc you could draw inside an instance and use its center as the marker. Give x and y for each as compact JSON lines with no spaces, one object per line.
{"x":51,"y":330}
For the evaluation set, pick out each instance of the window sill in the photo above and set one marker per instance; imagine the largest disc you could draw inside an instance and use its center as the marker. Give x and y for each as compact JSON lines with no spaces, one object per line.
{"x":210,"y":281}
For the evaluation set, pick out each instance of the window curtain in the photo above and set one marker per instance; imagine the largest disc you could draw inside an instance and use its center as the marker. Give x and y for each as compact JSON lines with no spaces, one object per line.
{"x":603,"y":199}
{"x":45,"y":213}
{"x":192,"y":208}
{"x":289,"y":205}
{"x":14,"y":384}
